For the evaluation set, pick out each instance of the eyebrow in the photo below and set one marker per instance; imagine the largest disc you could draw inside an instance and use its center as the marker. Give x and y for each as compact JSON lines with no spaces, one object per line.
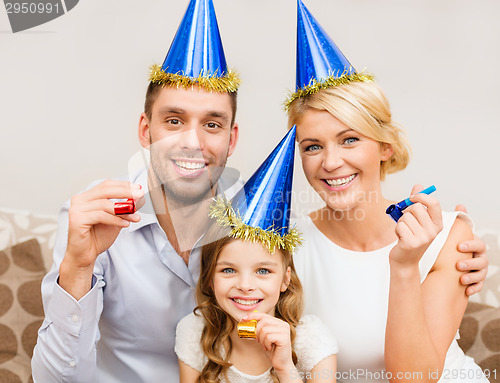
{"x":265,"y":263}
{"x":339,"y":134}
{"x":176,"y":110}
{"x":171,"y":109}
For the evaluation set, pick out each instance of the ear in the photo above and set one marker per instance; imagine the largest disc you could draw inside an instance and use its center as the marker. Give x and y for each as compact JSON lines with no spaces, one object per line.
{"x":144,"y":132}
{"x":286,"y":279}
{"x":386,"y":151}
{"x":233,"y":139}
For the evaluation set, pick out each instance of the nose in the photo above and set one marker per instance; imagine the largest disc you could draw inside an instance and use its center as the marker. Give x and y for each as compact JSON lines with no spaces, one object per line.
{"x":332,"y":159}
{"x":245,"y":283}
{"x":189,"y":139}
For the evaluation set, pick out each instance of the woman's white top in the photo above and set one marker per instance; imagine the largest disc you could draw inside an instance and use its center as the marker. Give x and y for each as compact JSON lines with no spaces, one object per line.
{"x":349,"y":292}
{"x":313,"y":343}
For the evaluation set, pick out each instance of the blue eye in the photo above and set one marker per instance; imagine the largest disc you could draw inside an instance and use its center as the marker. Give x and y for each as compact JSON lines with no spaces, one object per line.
{"x":228,"y":270}
{"x":311,"y":148}
{"x":263,"y":271}
{"x":350,"y":140}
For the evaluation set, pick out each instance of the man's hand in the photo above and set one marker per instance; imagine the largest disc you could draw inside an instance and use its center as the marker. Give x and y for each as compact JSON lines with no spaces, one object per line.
{"x":93,"y":227}
{"x":477,"y":265}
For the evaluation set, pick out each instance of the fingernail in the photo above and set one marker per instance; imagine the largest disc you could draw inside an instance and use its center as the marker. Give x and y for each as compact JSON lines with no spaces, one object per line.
{"x":466,"y":280}
{"x":463,"y":247}
{"x":462,"y":265}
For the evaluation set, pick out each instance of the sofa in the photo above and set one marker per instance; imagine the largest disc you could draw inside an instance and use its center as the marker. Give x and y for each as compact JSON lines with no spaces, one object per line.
{"x":26,"y":243}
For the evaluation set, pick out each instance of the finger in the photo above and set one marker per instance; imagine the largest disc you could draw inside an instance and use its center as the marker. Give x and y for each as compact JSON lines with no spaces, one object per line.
{"x":417,"y":188}
{"x":411,"y":223}
{"x":461,"y":208}
{"x":475,"y":288}
{"x":101,"y":217}
{"x":471,"y":264}
{"x":475,"y":246}
{"x":473,"y":277}
{"x":433,"y":207}
{"x":420,"y":212}
{"x":105,"y":205}
{"x":402,"y":230}
{"x":113,"y":189}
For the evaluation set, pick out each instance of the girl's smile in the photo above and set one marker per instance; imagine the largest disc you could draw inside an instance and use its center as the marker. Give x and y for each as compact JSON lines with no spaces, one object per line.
{"x":248,"y":278}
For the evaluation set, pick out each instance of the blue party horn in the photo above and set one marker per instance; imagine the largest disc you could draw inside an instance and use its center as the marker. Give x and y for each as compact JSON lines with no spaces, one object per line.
{"x":396,"y":211}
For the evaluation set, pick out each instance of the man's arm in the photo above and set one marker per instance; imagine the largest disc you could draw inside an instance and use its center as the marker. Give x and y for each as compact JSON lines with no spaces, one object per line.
{"x":72,"y":290}
{"x":477,"y":266}
{"x":65,"y":349}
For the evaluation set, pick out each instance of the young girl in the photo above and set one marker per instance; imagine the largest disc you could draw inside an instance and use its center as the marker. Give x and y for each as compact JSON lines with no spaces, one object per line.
{"x":250,"y":278}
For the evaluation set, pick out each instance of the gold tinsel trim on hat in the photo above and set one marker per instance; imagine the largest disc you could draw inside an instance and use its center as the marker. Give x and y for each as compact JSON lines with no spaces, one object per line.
{"x":331,"y":81}
{"x":227,"y":83}
{"x":222,"y":210}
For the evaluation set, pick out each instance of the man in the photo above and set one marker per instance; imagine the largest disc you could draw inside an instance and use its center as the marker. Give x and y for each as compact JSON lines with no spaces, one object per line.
{"x":114,"y":297}
{"x":120,"y":284}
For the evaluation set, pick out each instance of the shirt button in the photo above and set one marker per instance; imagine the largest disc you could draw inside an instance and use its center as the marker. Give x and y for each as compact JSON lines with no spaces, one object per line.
{"x":75,"y":318}
{"x":72,"y":363}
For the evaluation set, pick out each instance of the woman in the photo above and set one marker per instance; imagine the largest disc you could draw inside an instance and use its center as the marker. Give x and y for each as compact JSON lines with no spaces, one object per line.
{"x":377,"y":284}
{"x":388,"y":291}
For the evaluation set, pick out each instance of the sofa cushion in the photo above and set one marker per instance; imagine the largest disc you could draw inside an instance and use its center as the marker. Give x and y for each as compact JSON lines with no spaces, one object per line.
{"x":21,"y":311}
{"x":18,"y":226}
{"x":480,"y":337}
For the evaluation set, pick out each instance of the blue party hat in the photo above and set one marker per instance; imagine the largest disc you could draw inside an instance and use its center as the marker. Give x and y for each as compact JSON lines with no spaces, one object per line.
{"x":320,"y":63}
{"x":196,"y":55}
{"x":260,"y":211}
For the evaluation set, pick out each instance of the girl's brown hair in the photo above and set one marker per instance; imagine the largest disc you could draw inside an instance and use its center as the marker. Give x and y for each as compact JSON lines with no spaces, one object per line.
{"x":215,"y":338}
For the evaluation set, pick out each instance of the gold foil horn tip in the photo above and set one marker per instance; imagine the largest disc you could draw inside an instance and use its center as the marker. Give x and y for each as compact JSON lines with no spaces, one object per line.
{"x":224,"y":84}
{"x":222,"y":210}
{"x":331,"y":81}
{"x":247,"y":329}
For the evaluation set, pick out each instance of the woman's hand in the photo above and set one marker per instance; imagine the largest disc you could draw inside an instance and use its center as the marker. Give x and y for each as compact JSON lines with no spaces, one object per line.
{"x":273,"y":334}
{"x":416,"y":229}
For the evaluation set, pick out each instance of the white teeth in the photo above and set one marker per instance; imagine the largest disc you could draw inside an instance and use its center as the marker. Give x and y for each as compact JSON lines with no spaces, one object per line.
{"x":340,"y":181}
{"x":245,"y":302}
{"x":190,"y":165}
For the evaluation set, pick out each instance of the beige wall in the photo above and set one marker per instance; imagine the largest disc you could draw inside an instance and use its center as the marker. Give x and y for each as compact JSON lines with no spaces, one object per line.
{"x":71,"y":91}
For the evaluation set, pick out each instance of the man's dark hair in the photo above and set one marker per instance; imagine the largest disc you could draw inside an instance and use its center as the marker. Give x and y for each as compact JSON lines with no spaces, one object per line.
{"x":154,"y":90}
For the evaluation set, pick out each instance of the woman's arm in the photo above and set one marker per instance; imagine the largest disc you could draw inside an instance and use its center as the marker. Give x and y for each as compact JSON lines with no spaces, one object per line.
{"x":187,"y":374}
{"x":324,"y":371}
{"x":423,"y":318}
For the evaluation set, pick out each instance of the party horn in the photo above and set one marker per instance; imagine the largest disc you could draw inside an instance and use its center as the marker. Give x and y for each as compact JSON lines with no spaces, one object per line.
{"x":125,"y":207}
{"x":396,"y":211}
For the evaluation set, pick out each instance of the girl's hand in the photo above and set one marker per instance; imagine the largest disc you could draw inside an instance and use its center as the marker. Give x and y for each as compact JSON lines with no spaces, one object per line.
{"x":416,"y":229}
{"x":273,"y":334}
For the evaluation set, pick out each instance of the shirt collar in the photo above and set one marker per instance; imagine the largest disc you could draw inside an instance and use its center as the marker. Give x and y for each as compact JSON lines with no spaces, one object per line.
{"x":229,"y":184}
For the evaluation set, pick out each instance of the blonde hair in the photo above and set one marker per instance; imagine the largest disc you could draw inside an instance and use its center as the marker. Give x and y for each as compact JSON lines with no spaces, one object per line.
{"x":362,"y":106}
{"x":218,"y":326}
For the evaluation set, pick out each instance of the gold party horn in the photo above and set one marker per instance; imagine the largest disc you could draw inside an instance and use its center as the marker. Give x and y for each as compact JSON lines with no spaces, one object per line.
{"x":247,"y":329}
